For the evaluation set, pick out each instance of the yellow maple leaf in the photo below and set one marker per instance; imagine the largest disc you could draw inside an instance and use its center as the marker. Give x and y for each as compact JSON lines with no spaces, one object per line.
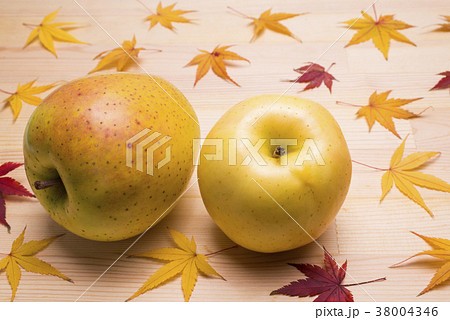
{"x":382,"y":110}
{"x":214,"y":60}
{"x":166,"y":15}
{"x":444,"y":27}
{"x":21,"y":255}
{"x":381,"y":31}
{"x":184,"y":260}
{"x":441,"y":250}
{"x":400,"y":172}
{"x":48,"y":32}
{"x":271,"y":21}
{"x":26,"y":93}
{"x":120,"y":57}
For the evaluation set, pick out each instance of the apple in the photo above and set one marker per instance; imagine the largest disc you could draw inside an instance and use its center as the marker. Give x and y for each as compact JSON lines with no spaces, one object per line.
{"x":84,"y":162}
{"x":274,"y":172}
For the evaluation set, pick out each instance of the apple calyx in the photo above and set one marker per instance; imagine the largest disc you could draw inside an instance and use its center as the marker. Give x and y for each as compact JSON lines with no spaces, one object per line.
{"x":278,"y":152}
{"x":39,"y":185}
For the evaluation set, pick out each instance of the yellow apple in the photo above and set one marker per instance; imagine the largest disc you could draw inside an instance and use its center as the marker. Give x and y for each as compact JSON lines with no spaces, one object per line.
{"x":91,"y":159}
{"x":274,"y":172}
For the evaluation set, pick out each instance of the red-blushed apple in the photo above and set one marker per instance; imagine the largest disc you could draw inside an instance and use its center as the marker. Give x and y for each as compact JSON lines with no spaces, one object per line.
{"x":84,"y":149}
{"x":274,"y":172}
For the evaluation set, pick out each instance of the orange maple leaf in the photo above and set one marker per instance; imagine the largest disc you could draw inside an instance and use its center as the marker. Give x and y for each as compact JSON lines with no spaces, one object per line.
{"x":214,"y":60}
{"x":166,"y":15}
{"x":401,"y":172}
{"x":382,"y":110}
{"x":47,"y":32}
{"x":444,"y":27}
{"x":271,"y":21}
{"x":184,"y":260}
{"x":381,"y":31}
{"x":441,"y":250}
{"x":22,"y":255}
{"x":26,"y":93}
{"x":120,"y":56}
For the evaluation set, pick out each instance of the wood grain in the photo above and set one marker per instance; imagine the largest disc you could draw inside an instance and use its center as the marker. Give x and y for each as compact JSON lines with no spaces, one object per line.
{"x":370,"y":235}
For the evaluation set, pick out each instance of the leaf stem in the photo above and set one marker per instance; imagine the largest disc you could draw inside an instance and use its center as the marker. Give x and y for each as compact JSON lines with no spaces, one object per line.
{"x":366,"y":165}
{"x":31,"y":25}
{"x":7,"y":92}
{"x":4,"y":254}
{"x":239,"y":13}
{"x":395,"y":265}
{"x":214,"y":253}
{"x":365,"y":282}
{"x":375,"y":12}
{"x":348,"y":104}
{"x":330,"y":66}
{"x":143,"y":4}
{"x":430,"y":107}
{"x":151,"y":50}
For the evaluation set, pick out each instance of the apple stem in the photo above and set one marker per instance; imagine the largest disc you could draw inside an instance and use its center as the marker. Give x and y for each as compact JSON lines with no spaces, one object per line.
{"x":214,"y":253}
{"x":278,"y":152}
{"x":365,"y":282}
{"x":366,"y":165}
{"x":39,"y":185}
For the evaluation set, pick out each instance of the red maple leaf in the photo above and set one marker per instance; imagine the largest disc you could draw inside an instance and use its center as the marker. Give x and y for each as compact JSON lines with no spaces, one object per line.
{"x":444,"y":83}
{"x":326,"y":283}
{"x":315,"y":74}
{"x":9,"y":186}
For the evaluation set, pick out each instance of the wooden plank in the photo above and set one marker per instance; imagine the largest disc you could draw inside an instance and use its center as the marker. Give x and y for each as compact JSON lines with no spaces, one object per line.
{"x":370,"y":235}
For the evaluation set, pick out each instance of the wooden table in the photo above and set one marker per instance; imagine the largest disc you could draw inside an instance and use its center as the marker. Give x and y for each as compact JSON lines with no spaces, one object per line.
{"x":371,"y":235}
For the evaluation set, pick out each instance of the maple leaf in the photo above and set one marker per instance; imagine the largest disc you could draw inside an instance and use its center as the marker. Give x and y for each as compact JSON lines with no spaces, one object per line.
{"x":271,"y":21}
{"x":184,"y":260}
{"x":444,"y":83}
{"x":400,"y":172}
{"x":382,"y":110}
{"x":315,"y":74}
{"x":444,"y":27}
{"x":9,"y":186}
{"x":26,"y":93}
{"x":21,"y":255}
{"x":441,"y":250}
{"x":214,"y":60}
{"x":120,"y":56}
{"x":326,"y":283}
{"x":166,"y":15}
{"x":381,"y":31}
{"x":48,"y":32}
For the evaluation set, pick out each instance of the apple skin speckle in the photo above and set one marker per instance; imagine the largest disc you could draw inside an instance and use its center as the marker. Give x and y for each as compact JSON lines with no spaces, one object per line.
{"x":311,"y":194}
{"x":79,"y":133}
